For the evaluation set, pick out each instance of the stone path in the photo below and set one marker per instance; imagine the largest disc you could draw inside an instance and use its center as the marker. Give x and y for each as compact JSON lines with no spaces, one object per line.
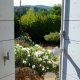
{"x":50,"y":76}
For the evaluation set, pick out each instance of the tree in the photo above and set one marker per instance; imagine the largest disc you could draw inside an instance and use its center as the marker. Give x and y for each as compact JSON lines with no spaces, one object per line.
{"x":29,"y":18}
{"x":38,"y":24}
{"x":42,"y":11}
{"x":55,"y":10}
{"x":16,"y":24}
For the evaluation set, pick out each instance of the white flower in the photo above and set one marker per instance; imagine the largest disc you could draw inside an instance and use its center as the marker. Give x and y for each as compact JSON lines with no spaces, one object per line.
{"x":17,"y":45}
{"x":38,"y":53}
{"x":24,"y":49}
{"x":28,"y":55}
{"x":47,"y":67}
{"x":33,"y":66}
{"x":45,"y":57}
{"x":40,"y":65}
{"x":24,"y":61}
{"x":43,"y":68}
{"x":20,"y":46}
{"x":40,"y":59}
{"x":43,"y":50}
{"x":37,"y":45}
{"x":27,"y":49}
{"x":49,"y":51}
{"x":49,"y":61}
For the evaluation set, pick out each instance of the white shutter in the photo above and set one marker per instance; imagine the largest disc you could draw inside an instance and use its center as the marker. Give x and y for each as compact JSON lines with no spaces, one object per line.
{"x":71,"y":56}
{"x":7,"y":67}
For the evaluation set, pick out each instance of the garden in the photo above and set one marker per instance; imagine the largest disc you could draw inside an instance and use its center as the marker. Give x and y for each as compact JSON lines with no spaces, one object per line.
{"x":34,"y":60}
{"x":34,"y":30}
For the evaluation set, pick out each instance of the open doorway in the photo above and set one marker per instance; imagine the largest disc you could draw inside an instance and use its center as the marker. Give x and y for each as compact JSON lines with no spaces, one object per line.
{"x":37,"y":33}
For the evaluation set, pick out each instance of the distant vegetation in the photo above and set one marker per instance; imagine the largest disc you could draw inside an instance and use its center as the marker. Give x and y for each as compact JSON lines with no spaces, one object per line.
{"x":24,"y":9}
{"x":38,"y":21}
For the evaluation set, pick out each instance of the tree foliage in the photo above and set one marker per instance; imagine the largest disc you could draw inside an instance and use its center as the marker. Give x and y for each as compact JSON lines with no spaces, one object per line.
{"x":38,"y":24}
{"x":16,"y":24}
{"x":56,"y":10}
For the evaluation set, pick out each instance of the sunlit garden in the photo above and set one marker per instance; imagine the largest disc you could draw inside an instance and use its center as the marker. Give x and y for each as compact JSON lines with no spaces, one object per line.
{"x":36,"y":35}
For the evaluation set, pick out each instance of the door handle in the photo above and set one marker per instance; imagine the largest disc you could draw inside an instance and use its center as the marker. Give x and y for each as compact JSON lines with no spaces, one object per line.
{"x":6,"y":57}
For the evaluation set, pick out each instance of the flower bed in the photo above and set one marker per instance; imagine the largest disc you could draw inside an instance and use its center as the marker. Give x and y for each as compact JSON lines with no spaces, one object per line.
{"x":37,"y":58}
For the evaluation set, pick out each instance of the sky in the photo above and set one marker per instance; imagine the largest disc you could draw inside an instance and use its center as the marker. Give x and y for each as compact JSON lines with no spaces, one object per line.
{"x":37,"y":2}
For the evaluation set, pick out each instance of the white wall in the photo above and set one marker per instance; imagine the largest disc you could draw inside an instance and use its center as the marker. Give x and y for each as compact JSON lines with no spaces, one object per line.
{"x":7,"y":68}
{"x":71,"y":59}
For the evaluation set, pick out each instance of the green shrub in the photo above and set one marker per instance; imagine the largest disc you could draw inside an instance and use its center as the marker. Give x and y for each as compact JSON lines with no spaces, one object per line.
{"x":36,"y":58}
{"x":52,"y":37}
{"x":37,"y":24}
{"x":25,"y":40}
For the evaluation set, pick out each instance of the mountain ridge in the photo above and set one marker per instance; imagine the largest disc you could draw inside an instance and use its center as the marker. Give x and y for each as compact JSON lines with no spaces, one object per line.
{"x":27,"y":7}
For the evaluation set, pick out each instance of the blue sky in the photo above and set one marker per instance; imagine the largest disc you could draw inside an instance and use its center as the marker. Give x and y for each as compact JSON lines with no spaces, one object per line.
{"x":37,"y":2}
